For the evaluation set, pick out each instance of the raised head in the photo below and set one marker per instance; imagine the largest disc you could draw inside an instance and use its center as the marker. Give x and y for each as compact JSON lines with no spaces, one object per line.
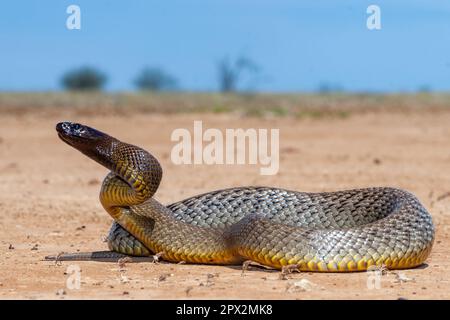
{"x":126,"y":160}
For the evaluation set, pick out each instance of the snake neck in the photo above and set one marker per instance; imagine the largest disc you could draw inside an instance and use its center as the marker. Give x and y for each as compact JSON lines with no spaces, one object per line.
{"x":133,"y":165}
{"x":158,"y":229}
{"x":135,"y":174}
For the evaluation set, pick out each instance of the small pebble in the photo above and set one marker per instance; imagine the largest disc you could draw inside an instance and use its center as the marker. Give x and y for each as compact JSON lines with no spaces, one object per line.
{"x":188,"y":290}
{"x":163,"y":277}
{"x":93,"y":182}
{"x":61,"y":292}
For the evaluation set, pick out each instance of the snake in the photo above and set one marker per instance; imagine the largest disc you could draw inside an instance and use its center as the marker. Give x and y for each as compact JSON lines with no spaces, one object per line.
{"x":340,"y":231}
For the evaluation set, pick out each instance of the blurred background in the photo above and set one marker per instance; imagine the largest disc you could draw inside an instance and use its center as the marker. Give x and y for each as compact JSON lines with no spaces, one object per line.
{"x":241,"y":46}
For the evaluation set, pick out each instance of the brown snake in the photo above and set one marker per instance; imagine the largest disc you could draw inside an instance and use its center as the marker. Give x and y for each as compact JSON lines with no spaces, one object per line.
{"x":347,"y":230}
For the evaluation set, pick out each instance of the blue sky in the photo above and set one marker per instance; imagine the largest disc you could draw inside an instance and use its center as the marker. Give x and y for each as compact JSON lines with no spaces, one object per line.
{"x":298,"y":44}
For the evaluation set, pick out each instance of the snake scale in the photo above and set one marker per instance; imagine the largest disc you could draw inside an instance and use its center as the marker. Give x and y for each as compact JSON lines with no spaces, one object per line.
{"x":341,"y":231}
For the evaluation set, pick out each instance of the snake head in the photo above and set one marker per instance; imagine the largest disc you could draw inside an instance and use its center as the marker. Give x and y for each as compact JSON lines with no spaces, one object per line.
{"x":78,"y":135}
{"x":93,"y":143}
{"x":135,"y":166}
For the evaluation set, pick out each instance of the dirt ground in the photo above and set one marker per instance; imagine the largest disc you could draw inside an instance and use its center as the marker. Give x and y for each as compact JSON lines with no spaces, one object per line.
{"x":49,"y":202}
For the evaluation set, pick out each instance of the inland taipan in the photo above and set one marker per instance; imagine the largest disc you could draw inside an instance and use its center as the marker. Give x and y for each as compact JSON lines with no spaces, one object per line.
{"x":349,"y":230}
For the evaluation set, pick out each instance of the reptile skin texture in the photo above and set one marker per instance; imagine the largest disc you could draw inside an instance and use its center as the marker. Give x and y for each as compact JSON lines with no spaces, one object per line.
{"x":341,"y":231}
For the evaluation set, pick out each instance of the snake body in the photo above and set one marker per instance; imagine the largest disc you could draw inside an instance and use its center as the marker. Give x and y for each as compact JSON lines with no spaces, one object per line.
{"x":349,"y":230}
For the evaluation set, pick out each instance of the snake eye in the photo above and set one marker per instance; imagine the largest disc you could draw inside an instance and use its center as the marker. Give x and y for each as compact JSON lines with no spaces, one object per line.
{"x":78,"y":129}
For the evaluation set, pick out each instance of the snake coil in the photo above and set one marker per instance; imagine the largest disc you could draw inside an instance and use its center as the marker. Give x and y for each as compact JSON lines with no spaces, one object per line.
{"x":349,"y":230}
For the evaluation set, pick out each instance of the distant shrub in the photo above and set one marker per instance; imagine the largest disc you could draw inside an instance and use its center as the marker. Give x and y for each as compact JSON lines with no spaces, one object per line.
{"x":230,"y":72}
{"x":328,"y":87}
{"x":84,"y":78}
{"x":155,"y":79}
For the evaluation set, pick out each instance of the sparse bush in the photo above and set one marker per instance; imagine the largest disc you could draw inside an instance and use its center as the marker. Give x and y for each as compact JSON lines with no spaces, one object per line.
{"x":328,"y":87}
{"x":84,"y":78}
{"x":155,"y":79}
{"x":230,"y":72}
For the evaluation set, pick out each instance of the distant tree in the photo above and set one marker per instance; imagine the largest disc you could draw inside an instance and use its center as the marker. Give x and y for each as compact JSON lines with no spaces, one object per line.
{"x":83,"y":78}
{"x":327,"y":87}
{"x":155,"y":79}
{"x":230,"y":72}
{"x":424,"y":89}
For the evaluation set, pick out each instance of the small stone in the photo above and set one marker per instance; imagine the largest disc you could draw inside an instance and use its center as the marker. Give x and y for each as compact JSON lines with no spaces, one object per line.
{"x":61,"y":292}
{"x":163,"y":277}
{"x":93,"y":182}
{"x":401,"y":277}
{"x":11,"y":247}
{"x":302,"y":285}
{"x":188,"y":290}
{"x":124,"y":278}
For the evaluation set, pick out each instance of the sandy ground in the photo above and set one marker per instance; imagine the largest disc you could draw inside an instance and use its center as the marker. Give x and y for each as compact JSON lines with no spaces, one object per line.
{"x":49,"y":203}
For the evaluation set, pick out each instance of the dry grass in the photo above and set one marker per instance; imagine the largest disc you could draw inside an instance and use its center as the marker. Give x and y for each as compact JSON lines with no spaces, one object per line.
{"x":255,"y":105}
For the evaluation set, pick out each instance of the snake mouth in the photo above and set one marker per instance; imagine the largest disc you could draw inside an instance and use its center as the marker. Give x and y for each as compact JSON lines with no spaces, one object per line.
{"x":65,"y":139}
